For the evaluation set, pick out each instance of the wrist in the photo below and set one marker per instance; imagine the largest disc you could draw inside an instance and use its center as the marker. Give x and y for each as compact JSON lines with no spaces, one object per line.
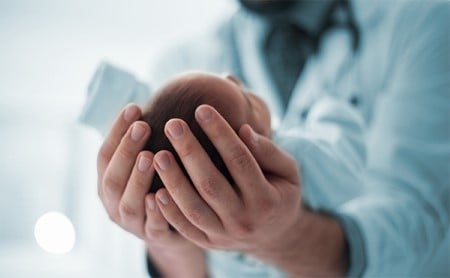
{"x":314,"y":246}
{"x":326,"y":244}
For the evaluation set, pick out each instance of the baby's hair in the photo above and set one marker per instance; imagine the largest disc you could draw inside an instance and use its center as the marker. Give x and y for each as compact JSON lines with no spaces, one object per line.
{"x":179,"y":101}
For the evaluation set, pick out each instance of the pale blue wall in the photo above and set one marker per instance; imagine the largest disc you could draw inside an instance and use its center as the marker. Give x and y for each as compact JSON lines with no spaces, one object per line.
{"x":48,"y":51}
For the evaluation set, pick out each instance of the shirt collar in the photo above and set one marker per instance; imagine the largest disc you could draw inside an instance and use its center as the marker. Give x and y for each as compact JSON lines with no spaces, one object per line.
{"x":311,"y":15}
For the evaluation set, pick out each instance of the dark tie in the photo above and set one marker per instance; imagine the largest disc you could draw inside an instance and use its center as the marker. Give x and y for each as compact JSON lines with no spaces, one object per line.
{"x":286,"y":50}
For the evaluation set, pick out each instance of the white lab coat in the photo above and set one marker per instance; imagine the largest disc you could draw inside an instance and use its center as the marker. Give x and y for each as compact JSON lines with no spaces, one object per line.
{"x":380,"y":164}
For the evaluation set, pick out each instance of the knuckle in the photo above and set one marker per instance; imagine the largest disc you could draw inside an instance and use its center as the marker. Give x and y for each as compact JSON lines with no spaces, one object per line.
{"x":186,"y":150}
{"x":239,"y":158}
{"x":266,"y":206}
{"x":110,"y":183}
{"x":195,"y":216}
{"x":125,"y":153}
{"x":127,"y":212}
{"x":243,"y":229}
{"x":209,"y":187}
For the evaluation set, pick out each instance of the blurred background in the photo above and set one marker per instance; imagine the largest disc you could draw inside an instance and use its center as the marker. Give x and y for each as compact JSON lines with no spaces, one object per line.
{"x":49,"y":50}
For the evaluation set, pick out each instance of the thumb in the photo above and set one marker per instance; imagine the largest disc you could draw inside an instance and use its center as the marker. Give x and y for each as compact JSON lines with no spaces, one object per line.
{"x":271,"y":158}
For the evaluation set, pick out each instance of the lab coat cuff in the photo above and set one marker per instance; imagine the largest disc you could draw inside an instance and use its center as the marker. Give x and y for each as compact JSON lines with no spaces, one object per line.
{"x":109,"y":91}
{"x":356,"y":244}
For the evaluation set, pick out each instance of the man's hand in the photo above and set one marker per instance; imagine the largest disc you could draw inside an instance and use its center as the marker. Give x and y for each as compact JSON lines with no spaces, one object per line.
{"x":124,"y":178}
{"x":264,"y":217}
{"x":123,"y":183}
{"x":257,"y":216}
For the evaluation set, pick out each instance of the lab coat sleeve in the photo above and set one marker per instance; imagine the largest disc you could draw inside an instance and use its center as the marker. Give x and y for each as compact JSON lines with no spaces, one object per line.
{"x":109,"y":90}
{"x":330,"y":149}
{"x":404,"y":214}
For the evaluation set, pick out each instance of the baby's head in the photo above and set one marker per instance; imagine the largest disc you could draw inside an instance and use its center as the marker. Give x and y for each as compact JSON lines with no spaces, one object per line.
{"x":182,"y":95}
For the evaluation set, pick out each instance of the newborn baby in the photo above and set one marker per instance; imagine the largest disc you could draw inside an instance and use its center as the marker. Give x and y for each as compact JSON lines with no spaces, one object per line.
{"x":182,"y":95}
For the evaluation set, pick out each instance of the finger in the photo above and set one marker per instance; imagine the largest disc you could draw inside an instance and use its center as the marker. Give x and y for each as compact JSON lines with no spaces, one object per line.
{"x":128,"y":115}
{"x":240,"y":162}
{"x":210,"y":183}
{"x":132,"y":203}
{"x":119,"y":169}
{"x":269,"y":156}
{"x":156,"y":226}
{"x":175,"y":217}
{"x":187,"y":199}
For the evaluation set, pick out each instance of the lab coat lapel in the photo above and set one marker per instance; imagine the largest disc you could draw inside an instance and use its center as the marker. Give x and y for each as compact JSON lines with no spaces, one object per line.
{"x":248,"y":46}
{"x":320,"y":77}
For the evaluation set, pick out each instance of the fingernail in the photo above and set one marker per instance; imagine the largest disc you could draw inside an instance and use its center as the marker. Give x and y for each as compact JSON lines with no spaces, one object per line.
{"x":163,"y":198}
{"x":175,"y":130}
{"x":163,"y":161}
{"x":137,"y":132}
{"x":144,"y":163}
{"x":204,"y":114}
{"x":131,"y":113}
{"x":151,"y":204}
